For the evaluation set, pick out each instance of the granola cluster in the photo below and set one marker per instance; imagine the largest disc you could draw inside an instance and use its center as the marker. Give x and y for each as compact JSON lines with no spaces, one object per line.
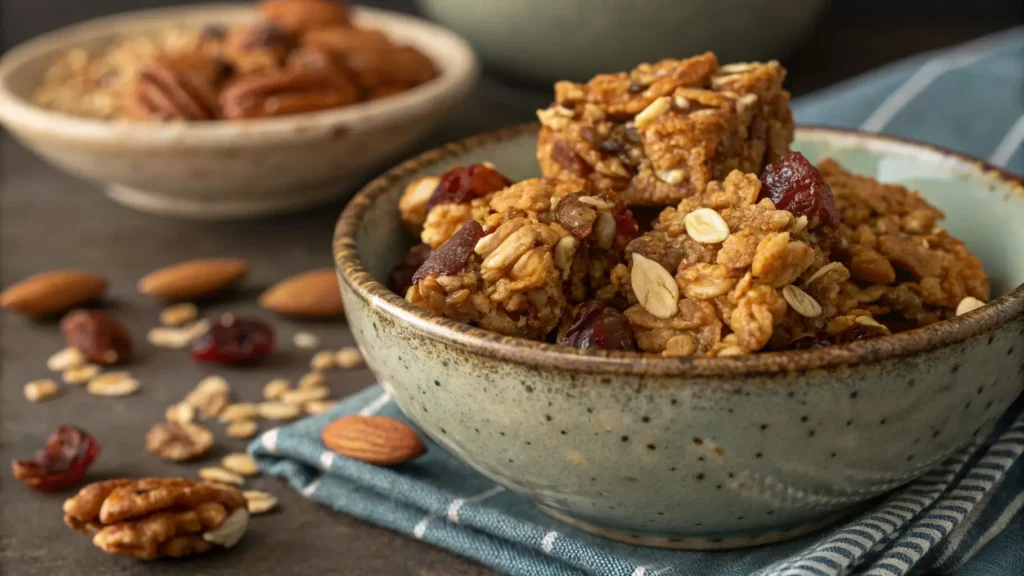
{"x":157,"y":517}
{"x":757,"y":248}
{"x":301,"y":56}
{"x":662,"y":132}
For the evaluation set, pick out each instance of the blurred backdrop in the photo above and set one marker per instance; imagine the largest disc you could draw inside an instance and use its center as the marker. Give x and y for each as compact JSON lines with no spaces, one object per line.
{"x":844,"y":38}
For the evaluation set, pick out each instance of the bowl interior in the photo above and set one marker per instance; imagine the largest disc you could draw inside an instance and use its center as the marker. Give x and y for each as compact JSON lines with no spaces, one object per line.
{"x":982,"y":208}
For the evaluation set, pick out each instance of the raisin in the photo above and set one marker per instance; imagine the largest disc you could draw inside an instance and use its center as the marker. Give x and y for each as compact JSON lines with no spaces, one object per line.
{"x":61,"y":463}
{"x":234,"y":340}
{"x":859,"y":332}
{"x":460,"y":185}
{"x":575,"y":216}
{"x":99,"y":336}
{"x":570,"y":160}
{"x":626,"y":226}
{"x":597,"y":326}
{"x":794,"y":184}
{"x":611,"y":146}
{"x":633,"y":135}
{"x":636,"y":87}
{"x":452,"y":256}
{"x":401,"y":274}
{"x":266,"y":35}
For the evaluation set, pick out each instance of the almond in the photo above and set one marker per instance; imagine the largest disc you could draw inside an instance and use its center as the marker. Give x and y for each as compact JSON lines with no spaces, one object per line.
{"x":312,"y":294}
{"x":375,"y":439}
{"x":52,"y":292}
{"x":193,"y":279}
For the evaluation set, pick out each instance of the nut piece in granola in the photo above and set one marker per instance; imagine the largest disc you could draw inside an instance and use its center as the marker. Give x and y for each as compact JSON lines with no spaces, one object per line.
{"x":661,"y":132}
{"x":178,"y":441}
{"x":152,"y":518}
{"x":178,"y":87}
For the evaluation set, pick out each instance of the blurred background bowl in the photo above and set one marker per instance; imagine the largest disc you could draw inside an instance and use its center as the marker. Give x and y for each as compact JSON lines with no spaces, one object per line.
{"x":230,"y":169}
{"x":545,"y":41}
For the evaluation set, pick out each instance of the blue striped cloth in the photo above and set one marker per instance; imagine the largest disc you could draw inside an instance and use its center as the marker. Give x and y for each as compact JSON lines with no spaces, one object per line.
{"x":962,"y":518}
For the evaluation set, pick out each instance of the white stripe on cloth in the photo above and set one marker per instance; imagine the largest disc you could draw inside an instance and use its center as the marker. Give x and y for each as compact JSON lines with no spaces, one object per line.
{"x":933,"y":69}
{"x":899,"y":551}
{"x":808,"y":563}
{"x":375,"y":406}
{"x":640,"y":571}
{"x":269,"y":440}
{"x":453,"y":510}
{"x":327,"y":460}
{"x":1009,"y":144}
{"x":997,"y":527}
{"x":421,"y":528}
{"x":952,"y":542}
{"x":548,"y":543}
{"x":310,"y":488}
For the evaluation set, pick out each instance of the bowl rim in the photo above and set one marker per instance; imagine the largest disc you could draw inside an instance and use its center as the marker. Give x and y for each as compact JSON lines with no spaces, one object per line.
{"x":450,"y":52}
{"x":944,"y":334}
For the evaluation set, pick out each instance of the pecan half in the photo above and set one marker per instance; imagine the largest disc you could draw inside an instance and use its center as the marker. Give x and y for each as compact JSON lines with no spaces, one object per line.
{"x":179,"y":87}
{"x":302,"y":15}
{"x":380,"y":66}
{"x":288,"y":92}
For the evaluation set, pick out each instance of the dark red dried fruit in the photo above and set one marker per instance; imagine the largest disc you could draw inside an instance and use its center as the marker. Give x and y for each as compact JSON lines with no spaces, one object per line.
{"x":234,"y":340}
{"x":452,"y":256}
{"x":570,"y":160}
{"x":626,"y":226}
{"x":859,"y":332}
{"x":575,"y":216}
{"x":460,"y":185}
{"x":598,"y":326}
{"x":102,"y":338}
{"x":61,"y":463}
{"x":794,"y":184}
{"x":402,"y":273}
{"x":611,"y":146}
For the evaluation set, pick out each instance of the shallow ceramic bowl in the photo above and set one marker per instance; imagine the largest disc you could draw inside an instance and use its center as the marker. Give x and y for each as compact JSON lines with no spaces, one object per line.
{"x":702,"y":452}
{"x":547,"y":41}
{"x":220,"y":170}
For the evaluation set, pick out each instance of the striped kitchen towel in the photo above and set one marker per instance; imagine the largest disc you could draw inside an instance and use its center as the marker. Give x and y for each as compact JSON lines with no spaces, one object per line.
{"x":962,"y":518}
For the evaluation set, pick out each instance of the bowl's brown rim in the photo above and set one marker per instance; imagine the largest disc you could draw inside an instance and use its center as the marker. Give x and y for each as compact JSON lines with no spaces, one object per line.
{"x":995,"y":314}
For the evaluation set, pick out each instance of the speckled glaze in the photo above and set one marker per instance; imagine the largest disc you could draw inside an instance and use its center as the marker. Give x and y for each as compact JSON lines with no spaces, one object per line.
{"x":704,"y":452}
{"x":228,"y":170}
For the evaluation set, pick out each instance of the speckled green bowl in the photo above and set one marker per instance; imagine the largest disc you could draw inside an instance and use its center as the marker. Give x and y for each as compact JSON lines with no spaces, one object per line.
{"x":703,"y":452}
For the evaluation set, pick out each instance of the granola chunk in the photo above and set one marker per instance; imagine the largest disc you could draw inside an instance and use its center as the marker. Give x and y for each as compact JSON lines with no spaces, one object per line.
{"x":524,"y":256}
{"x":661,"y":132}
{"x":909,"y":271}
{"x":157,"y":517}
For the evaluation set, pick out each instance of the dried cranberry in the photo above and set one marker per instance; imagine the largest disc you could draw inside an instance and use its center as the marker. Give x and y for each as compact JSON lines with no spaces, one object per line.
{"x":575,"y":216}
{"x":598,"y":326}
{"x":61,"y":463}
{"x":794,"y":184}
{"x":564,"y":155}
{"x":461,"y":185}
{"x":626,"y":226}
{"x":98,"y":335}
{"x":859,"y":332}
{"x":234,"y":340}
{"x":810,"y":342}
{"x":401,"y":274}
{"x":452,"y":256}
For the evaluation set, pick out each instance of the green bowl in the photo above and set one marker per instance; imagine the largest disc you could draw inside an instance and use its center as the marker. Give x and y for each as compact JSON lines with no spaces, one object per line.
{"x":702,"y":452}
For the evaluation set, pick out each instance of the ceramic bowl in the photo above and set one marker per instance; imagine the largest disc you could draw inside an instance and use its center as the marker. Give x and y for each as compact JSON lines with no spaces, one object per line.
{"x":701,"y":452}
{"x":545,"y":41}
{"x":220,"y":170}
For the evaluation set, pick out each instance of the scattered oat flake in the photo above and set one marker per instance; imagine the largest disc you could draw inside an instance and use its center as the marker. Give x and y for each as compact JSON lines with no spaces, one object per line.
{"x":113,"y":384}
{"x":165,"y":337}
{"x":279,"y":411}
{"x":215,"y":474}
{"x":322,"y":360}
{"x":240,"y":463}
{"x":179,"y":314}
{"x":65,"y":359}
{"x":80,"y":374}
{"x":242,"y":429}
{"x":349,"y":357}
{"x":235,"y":412}
{"x":311,"y":380}
{"x":180,"y":413}
{"x":259,"y":502}
{"x":275,"y":388}
{"x":40,"y":390}
{"x":305,"y":395}
{"x":306,"y":340}
{"x":318,"y":406}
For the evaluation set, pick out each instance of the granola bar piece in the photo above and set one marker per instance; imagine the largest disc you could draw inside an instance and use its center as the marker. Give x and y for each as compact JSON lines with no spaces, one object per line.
{"x":525,"y":256}
{"x":910,"y":272}
{"x":660,"y":133}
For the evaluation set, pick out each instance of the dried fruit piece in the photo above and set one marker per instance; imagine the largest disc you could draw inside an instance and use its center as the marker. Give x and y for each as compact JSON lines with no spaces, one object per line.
{"x":655,"y":288}
{"x":794,"y":184}
{"x":102,"y":338}
{"x":968,"y":304}
{"x":313,"y":294}
{"x":706,"y":226}
{"x":322,"y":360}
{"x":375,"y":439}
{"x":275,"y":388}
{"x":575,"y":215}
{"x":240,"y":463}
{"x":113,"y":384}
{"x":402,"y":273}
{"x":242,"y":429}
{"x":80,"y":374}
{"x":194,"y":279}
{"x":349,"y":357}
{"x":279,"y":411}
{"x":178,"y":441}
{"x":65,"y":359}
{"x":52,"y":292}
{"x":178,"y":314}
{"x":40,"y":390}
{"x":596,"y":325}
{"x":305,"y":340}
{"x":451,"y":257}
{"x":61,"y":463}
{"x":259,"y":502}
{"x":460,"y":185}
{"x":234,"y":340}
{"x":214,"y":474}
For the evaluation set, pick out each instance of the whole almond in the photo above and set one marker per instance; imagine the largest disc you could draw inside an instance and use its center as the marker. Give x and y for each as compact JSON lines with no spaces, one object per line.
{"x":52,"y":292}
{"x":312,"y":294}
{"x":194,"y":279}
{"x":375,"y":439}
